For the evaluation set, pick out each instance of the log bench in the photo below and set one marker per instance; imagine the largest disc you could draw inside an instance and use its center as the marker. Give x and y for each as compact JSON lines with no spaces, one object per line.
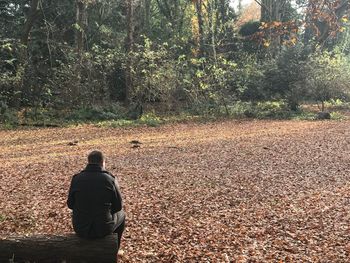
{"x":66,"y":248}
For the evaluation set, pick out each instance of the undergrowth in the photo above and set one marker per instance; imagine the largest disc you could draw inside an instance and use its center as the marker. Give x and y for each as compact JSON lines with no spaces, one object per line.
{"x":116,"y":115}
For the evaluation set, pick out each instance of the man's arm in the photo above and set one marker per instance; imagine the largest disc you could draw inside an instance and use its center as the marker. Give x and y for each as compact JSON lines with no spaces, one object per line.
{"x":117,"y":203}
{"x":71,"y":200}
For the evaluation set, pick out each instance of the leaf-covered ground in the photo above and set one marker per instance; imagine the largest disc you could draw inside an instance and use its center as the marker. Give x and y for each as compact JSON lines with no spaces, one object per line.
{"x":259,"y":191}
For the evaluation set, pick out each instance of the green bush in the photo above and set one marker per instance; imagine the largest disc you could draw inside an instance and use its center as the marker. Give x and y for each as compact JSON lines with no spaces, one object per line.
{"x":153,"y":74}
{"x":242,"y":109}
{"x":249,"y":28}
{"x":285,"y":76}
{"x":111,"y":112}
{"x":328,"y":77}
{"x":336,"y":115}
{"x":247,"y":31}
{"x":261,"y":110}
{"x":150,"y":119}
{"x":273,"y":110}
{"x":337,"y":104}
{"x":116,"y":123}
{"x":213,"y":85}
{"x":89,"y":82}
{"x":7,"y":116}
{"x":304,"y":115}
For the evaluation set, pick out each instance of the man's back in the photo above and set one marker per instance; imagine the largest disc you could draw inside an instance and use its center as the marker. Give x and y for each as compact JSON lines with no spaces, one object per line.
{"x":94,"y":198}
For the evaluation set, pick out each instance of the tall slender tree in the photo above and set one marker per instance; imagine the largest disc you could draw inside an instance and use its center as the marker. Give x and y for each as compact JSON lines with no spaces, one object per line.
{"x":81,"y":25}
{"x":200,"y":20}
{"x":272,"y":10}
{"x":147,"y":17}
{"x":32,"y":16}
{"x":129,"y":44}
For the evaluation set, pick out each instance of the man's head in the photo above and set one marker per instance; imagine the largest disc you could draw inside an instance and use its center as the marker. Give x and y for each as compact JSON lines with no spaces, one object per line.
{"x":96,"y":157}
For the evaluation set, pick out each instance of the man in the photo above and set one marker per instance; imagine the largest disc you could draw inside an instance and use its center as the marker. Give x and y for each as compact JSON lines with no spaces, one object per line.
{"x":95,"y":199}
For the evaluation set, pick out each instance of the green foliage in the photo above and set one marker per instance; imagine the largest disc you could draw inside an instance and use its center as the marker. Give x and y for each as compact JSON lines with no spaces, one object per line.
{"x":285,"y":76}
{"x":249,"y":28}
{"x":304,"y":115}
{"x":337,"y":104}
{"x":150,"y":119}
{"x":328,"y":77}
{"x":338,"y":116}
{"x":261,"y":110}
{"x":49,"y":77}
{"x":8,"y":116}
{"x":250,"y":78}
{"x":87,"y":83}
{"x":36,"y":116}
{"x":153,"y":73}
{"x":211,"y":81}
{"x":116,"y":123}
{"x":273,"y":110}
{"x":211,"y":85}
{"x":12,"y":73}
{"x":95,"y":113}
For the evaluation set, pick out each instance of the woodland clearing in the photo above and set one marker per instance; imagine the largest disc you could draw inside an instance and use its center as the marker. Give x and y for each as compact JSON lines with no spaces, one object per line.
{"x":232,"y":191}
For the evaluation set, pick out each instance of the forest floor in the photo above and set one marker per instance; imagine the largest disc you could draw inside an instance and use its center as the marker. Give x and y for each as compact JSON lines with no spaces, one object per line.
{"x":249,"y":191}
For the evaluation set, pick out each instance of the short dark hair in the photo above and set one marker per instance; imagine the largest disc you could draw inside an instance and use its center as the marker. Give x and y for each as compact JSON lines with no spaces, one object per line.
{"x":95,"y":157}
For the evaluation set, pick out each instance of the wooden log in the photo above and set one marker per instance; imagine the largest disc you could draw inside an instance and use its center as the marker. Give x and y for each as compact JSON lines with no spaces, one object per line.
{"x":67,"y":248}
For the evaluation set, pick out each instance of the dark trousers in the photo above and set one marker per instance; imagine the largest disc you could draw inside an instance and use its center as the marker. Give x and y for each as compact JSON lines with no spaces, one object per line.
{"x":119,"y":220}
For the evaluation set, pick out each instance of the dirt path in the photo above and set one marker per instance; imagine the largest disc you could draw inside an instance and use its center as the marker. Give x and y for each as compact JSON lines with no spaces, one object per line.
{"x":262,"y":191}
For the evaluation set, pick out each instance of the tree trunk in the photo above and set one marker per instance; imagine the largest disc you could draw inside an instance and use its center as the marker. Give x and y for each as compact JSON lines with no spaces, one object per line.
{"x":28,"y":24}
{"x":199,"y":9}
{"x":129,"y":48}
{"x":147,"y":17}
{"x":177,"y":18}
{"x":212,"y":24}
{"x":68,"y":248}
{"x":266,"y":8}
{"x":223,"y":11}
{"x":308,"y":34}
{"x":271,"y":11}
{"x":81,"y":22}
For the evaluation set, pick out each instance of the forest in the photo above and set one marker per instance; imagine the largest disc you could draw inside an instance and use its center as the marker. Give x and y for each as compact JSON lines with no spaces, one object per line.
{"x":131,"y":59}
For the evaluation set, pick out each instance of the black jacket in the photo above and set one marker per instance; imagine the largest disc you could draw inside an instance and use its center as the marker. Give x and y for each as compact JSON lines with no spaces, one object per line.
{"x":94,"y":197}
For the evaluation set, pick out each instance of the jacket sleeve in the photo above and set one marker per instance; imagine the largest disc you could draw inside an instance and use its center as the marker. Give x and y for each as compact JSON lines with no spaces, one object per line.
{"x":117,"y":203}
{"x":71,"y":200}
